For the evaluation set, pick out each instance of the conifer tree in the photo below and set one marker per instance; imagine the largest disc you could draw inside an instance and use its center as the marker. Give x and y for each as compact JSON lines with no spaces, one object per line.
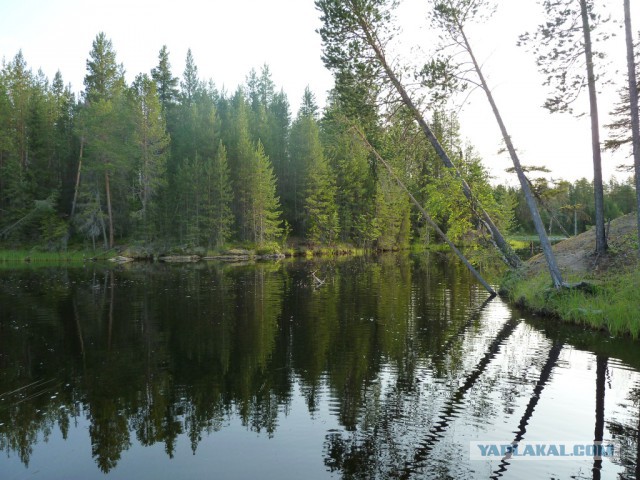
{"x":305,"y":150}
{"x":166,"y":83}
{"x":322,"y":221}
{"x":219,"y":197}
{"x":151,"y":142}
{"x":105,"y":111}
{"x":264,"y":205}
{"x":564,"y":47}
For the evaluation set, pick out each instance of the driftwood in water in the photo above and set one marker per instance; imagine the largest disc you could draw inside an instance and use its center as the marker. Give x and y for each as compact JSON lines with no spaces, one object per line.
{"x":317,"y":281}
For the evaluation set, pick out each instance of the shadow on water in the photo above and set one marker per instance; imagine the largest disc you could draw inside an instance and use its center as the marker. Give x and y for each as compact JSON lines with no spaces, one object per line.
{"x":388,"y":369}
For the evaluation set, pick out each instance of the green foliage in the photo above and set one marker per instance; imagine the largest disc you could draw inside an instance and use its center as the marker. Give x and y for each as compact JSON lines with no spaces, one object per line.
{"x":219,"y":197}
{"x":323,"y":223}
{"x":569,"y":207}
{"x":264,"y":206}
{"x":559,"y":47}
{"x":194,"y":166}
{"x":54,"y":232}
{"x":166,"y":83}
{"x":151,"y":142}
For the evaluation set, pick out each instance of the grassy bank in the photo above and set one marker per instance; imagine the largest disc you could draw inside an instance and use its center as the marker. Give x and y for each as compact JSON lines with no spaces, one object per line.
{"x":612,"y":302}
{"x":36,"y":256}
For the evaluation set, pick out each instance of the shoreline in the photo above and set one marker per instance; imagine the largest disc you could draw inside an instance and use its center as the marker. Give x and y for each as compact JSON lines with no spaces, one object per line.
{"x":611,"y":300}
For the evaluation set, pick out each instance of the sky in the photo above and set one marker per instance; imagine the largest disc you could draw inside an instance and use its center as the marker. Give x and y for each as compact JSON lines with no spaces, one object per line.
{"x":229,"y":38}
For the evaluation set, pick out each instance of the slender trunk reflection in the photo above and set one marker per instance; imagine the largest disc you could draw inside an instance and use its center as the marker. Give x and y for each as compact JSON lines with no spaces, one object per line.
{"x":545,"y":375}
{"x":638,"y":448}
{"x":601,"y":374}
{"x":435,"y":433}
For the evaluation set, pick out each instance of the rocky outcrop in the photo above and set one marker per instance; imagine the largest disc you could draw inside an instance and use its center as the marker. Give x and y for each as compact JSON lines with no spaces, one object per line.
{"x":121,"y":259}
{"x":180,"y":258}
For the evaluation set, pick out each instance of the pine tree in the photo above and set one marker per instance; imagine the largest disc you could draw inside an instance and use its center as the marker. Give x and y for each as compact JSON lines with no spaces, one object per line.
{"x":65,"y":141}
{"x":355,"y":35}
{"x":393,"y":214}
{"x":305,"y":150}
{"x":355,"y":184}
{"x":264,"y":207}
{"x":569,"y":33}
{"x":322,"y":221}
{"x":166,"y":83}
{"x":152,"y":142}
{"x":107,"y":125}
{"x":190,"y":82}
{"x":269,"y":121}
{"x":241,"y":164}
{"x":220,"y":196}
{"x":18,"y":185}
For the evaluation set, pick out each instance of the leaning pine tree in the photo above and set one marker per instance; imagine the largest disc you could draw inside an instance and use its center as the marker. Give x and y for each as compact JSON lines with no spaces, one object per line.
{"x":354,"y":36}
{"x":566,"y":36}
{"x":452,"y":16}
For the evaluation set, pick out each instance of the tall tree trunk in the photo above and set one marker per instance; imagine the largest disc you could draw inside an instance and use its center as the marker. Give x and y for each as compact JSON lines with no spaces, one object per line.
{"x":102,"y":226}
{"x":556,"y":277}
{"x":633,"y":103}
{"x":77,"y":186}
{"x":501,"y":243}
{"x":109,"y":211}
{"x":598,"y":191}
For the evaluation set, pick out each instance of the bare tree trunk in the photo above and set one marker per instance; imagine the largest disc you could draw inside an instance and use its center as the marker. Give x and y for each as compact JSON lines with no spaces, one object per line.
{"x":598,"y":191}
{"x":426,"y":216}
{"x":556,"y":277}
{"x":109,"y":211}
{"x":501,"y":243}
{"x":104,"y":230}
{"x":77,"y":186}
{"x":633,"y":102}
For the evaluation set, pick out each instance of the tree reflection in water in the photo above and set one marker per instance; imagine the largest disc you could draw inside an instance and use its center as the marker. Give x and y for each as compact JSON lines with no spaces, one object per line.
{"x":401,"y":351}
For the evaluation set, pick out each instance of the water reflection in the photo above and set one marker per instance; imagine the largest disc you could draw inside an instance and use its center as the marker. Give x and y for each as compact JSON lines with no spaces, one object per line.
{"x":387,"y":370}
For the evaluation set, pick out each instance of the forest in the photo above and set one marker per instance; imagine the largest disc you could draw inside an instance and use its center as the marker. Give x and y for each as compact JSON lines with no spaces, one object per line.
{"x":171,"y":160}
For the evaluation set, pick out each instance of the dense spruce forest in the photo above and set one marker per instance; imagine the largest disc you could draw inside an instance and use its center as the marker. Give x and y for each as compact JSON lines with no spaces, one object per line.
{"x":171,"y":160}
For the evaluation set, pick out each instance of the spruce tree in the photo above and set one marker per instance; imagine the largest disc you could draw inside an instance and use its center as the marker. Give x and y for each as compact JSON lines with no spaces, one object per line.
{"x":151,"y":142}
{"x":264,"y":210}
{"x":220,"y":197}
{"x":322,"y":221}
{"x":166,"y":83}
{"x":108,"y":126}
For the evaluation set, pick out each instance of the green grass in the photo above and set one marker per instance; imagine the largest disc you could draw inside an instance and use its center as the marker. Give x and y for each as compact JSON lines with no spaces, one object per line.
{"x":36,"y":256}
{"x":522,"y":241}
{"x":612,"y":306}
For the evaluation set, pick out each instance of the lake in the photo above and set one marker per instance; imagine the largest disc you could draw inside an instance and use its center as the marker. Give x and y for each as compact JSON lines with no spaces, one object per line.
{"x":388,"y":367}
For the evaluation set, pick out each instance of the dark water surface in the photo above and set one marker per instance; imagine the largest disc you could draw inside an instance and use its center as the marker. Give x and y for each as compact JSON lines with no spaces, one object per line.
{"x":387,"y":370}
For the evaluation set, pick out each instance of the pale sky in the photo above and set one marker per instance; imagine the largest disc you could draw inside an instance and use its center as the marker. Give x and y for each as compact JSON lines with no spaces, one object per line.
{"x":228,"y":38}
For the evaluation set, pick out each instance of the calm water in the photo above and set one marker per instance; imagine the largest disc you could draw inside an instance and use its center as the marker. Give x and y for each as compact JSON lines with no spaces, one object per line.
{"x":387,"y":370}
